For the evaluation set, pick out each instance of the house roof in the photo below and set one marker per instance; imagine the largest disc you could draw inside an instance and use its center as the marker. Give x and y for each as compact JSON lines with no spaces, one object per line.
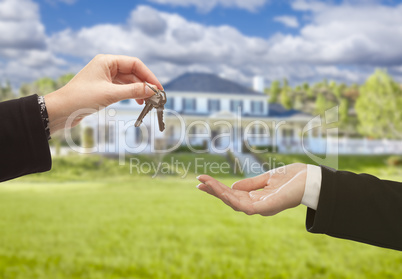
{"x":277,"y":110}
{"x":208,"y":83}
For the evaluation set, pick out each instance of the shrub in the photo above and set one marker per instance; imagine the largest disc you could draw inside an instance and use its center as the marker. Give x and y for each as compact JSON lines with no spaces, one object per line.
{"x":265,"y":148}
{"x":186,"y":149}
{"x":394,"y":161}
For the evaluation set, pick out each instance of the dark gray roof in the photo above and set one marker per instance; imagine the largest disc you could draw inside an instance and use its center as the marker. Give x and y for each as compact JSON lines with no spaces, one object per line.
{"x":207,"y":83}
{"x":277,"y":110}
{"x":210,"y":83}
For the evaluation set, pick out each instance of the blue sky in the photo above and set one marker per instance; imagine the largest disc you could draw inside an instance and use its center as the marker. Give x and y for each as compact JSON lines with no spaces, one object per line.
{"x":302,"y":40}
{"x":58,"y":15}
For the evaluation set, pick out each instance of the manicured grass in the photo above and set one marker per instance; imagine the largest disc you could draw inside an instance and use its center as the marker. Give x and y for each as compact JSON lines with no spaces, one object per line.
{"x":93,"y":167}
{"x":105,"y":223}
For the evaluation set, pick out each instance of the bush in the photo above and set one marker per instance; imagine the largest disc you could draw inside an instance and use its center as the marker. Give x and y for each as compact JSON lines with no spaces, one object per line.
{"x":186,"y":149}
{"x":394,"y":161}
{"x":88,"y":137}
{"x":265,"y":148}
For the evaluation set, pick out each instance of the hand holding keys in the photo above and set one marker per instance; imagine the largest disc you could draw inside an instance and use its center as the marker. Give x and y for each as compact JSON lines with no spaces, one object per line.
{"x":156,"y":101}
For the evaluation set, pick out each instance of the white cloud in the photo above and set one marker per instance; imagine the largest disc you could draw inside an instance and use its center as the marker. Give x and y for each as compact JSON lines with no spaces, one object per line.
{"x":147,"y":20}
{"x":179,"y":42}
{"x":343,"y":42}
{"x":309,"y":5}
{"x":23,"y":43}
{"x":347,"y":34}
{"x":20,"y":25}
{"x":208,"y":5}
{"x":13,"y":10}
{"x":289,"y":21}
{"x":177,"y":45}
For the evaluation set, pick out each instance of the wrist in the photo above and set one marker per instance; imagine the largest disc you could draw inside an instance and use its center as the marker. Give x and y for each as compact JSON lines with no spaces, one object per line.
{"x":57,"y":110}
{"x":301,"y":181}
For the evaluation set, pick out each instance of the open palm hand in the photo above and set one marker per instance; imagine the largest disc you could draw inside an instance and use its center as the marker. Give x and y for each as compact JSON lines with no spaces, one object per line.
{"x":266,"y":194}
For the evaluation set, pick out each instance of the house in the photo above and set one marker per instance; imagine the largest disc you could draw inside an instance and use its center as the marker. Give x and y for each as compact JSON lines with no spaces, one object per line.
{"x":203,"y":111}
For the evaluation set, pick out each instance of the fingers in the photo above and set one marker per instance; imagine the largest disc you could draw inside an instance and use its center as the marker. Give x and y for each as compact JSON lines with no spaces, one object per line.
{"x":129,"y":73}
{"x":214,"y":186}
{"x":226,"y":194}
{"x":253,"y":183}
{"x":125,"y":78}
{"x":219,"y":190}
{"x":131,"y":91}
{"x":206,"y":188}
{"x":132,"y":65}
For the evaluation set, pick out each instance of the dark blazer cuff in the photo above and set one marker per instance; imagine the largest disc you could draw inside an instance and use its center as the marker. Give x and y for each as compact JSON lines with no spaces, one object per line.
{"x":319,"y":221}
{"x":39,"y":144}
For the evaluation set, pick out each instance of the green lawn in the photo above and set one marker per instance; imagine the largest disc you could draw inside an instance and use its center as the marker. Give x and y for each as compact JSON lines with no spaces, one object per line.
{"x":106,"y":223}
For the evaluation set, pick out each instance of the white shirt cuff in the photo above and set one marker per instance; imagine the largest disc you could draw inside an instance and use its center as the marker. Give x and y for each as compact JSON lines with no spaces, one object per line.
{"x":313,"y":187}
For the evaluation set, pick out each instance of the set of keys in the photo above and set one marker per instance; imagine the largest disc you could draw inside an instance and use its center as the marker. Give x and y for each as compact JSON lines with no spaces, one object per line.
{"x":157,"y":101}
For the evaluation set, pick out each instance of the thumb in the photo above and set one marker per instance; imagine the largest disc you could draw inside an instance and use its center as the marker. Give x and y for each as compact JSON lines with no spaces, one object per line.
{"x":137,"y":90}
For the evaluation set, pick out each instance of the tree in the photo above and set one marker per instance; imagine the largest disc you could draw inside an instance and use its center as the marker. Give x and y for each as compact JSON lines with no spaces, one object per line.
{"x":306,"y":86}
{"x":320,"y":104}
{"x":337,"y":90}
{"x":6,"y":92}
{"x":310,"y":93}
{"x":379,"y":107}
{"x":45,"y":86}
{"x":63,"y":80}
{"x":352,"y":92}
{"x":285,"y":83}
{"x":26,"y":90}
{"x":298,"y":102}
{"x":285,"y":98}
{"x":344,"y":111}
{"x":274,"y":91}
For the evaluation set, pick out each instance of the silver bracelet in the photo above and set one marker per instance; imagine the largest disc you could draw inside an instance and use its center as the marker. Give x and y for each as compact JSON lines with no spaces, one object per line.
{"x":44,"y":115}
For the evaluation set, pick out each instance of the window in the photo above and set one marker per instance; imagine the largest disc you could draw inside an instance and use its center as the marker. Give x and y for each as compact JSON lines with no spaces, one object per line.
{"x":189,"y":104}
{"x":138,"y":136}
{"x":257,"y":107}
{"x":255,"y":130}
{"x":110,"y":133}
{"x":287,"y":133}
{"x":214,"y":105}
{"x":125,"y":102}
{"x":169,"y":103}
{"x":235,"y":105}
{"x":171,"y":132}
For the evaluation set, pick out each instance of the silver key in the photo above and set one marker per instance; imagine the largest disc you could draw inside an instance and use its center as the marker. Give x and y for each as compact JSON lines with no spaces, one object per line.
{"x":148,"y":107}
{"x":157,"y":101}
{"x":159,"y":112}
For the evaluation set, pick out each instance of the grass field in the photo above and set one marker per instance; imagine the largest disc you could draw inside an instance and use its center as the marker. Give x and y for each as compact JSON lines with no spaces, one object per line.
{"x":90,"y":218}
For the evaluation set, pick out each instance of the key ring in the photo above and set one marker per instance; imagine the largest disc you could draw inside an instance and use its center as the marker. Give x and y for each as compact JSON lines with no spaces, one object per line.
{"x":157,"y":91}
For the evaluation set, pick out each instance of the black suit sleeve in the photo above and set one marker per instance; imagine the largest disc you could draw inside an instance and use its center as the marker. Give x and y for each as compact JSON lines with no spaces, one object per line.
{"x":24,"y":147}
{"x":358,"y":207}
